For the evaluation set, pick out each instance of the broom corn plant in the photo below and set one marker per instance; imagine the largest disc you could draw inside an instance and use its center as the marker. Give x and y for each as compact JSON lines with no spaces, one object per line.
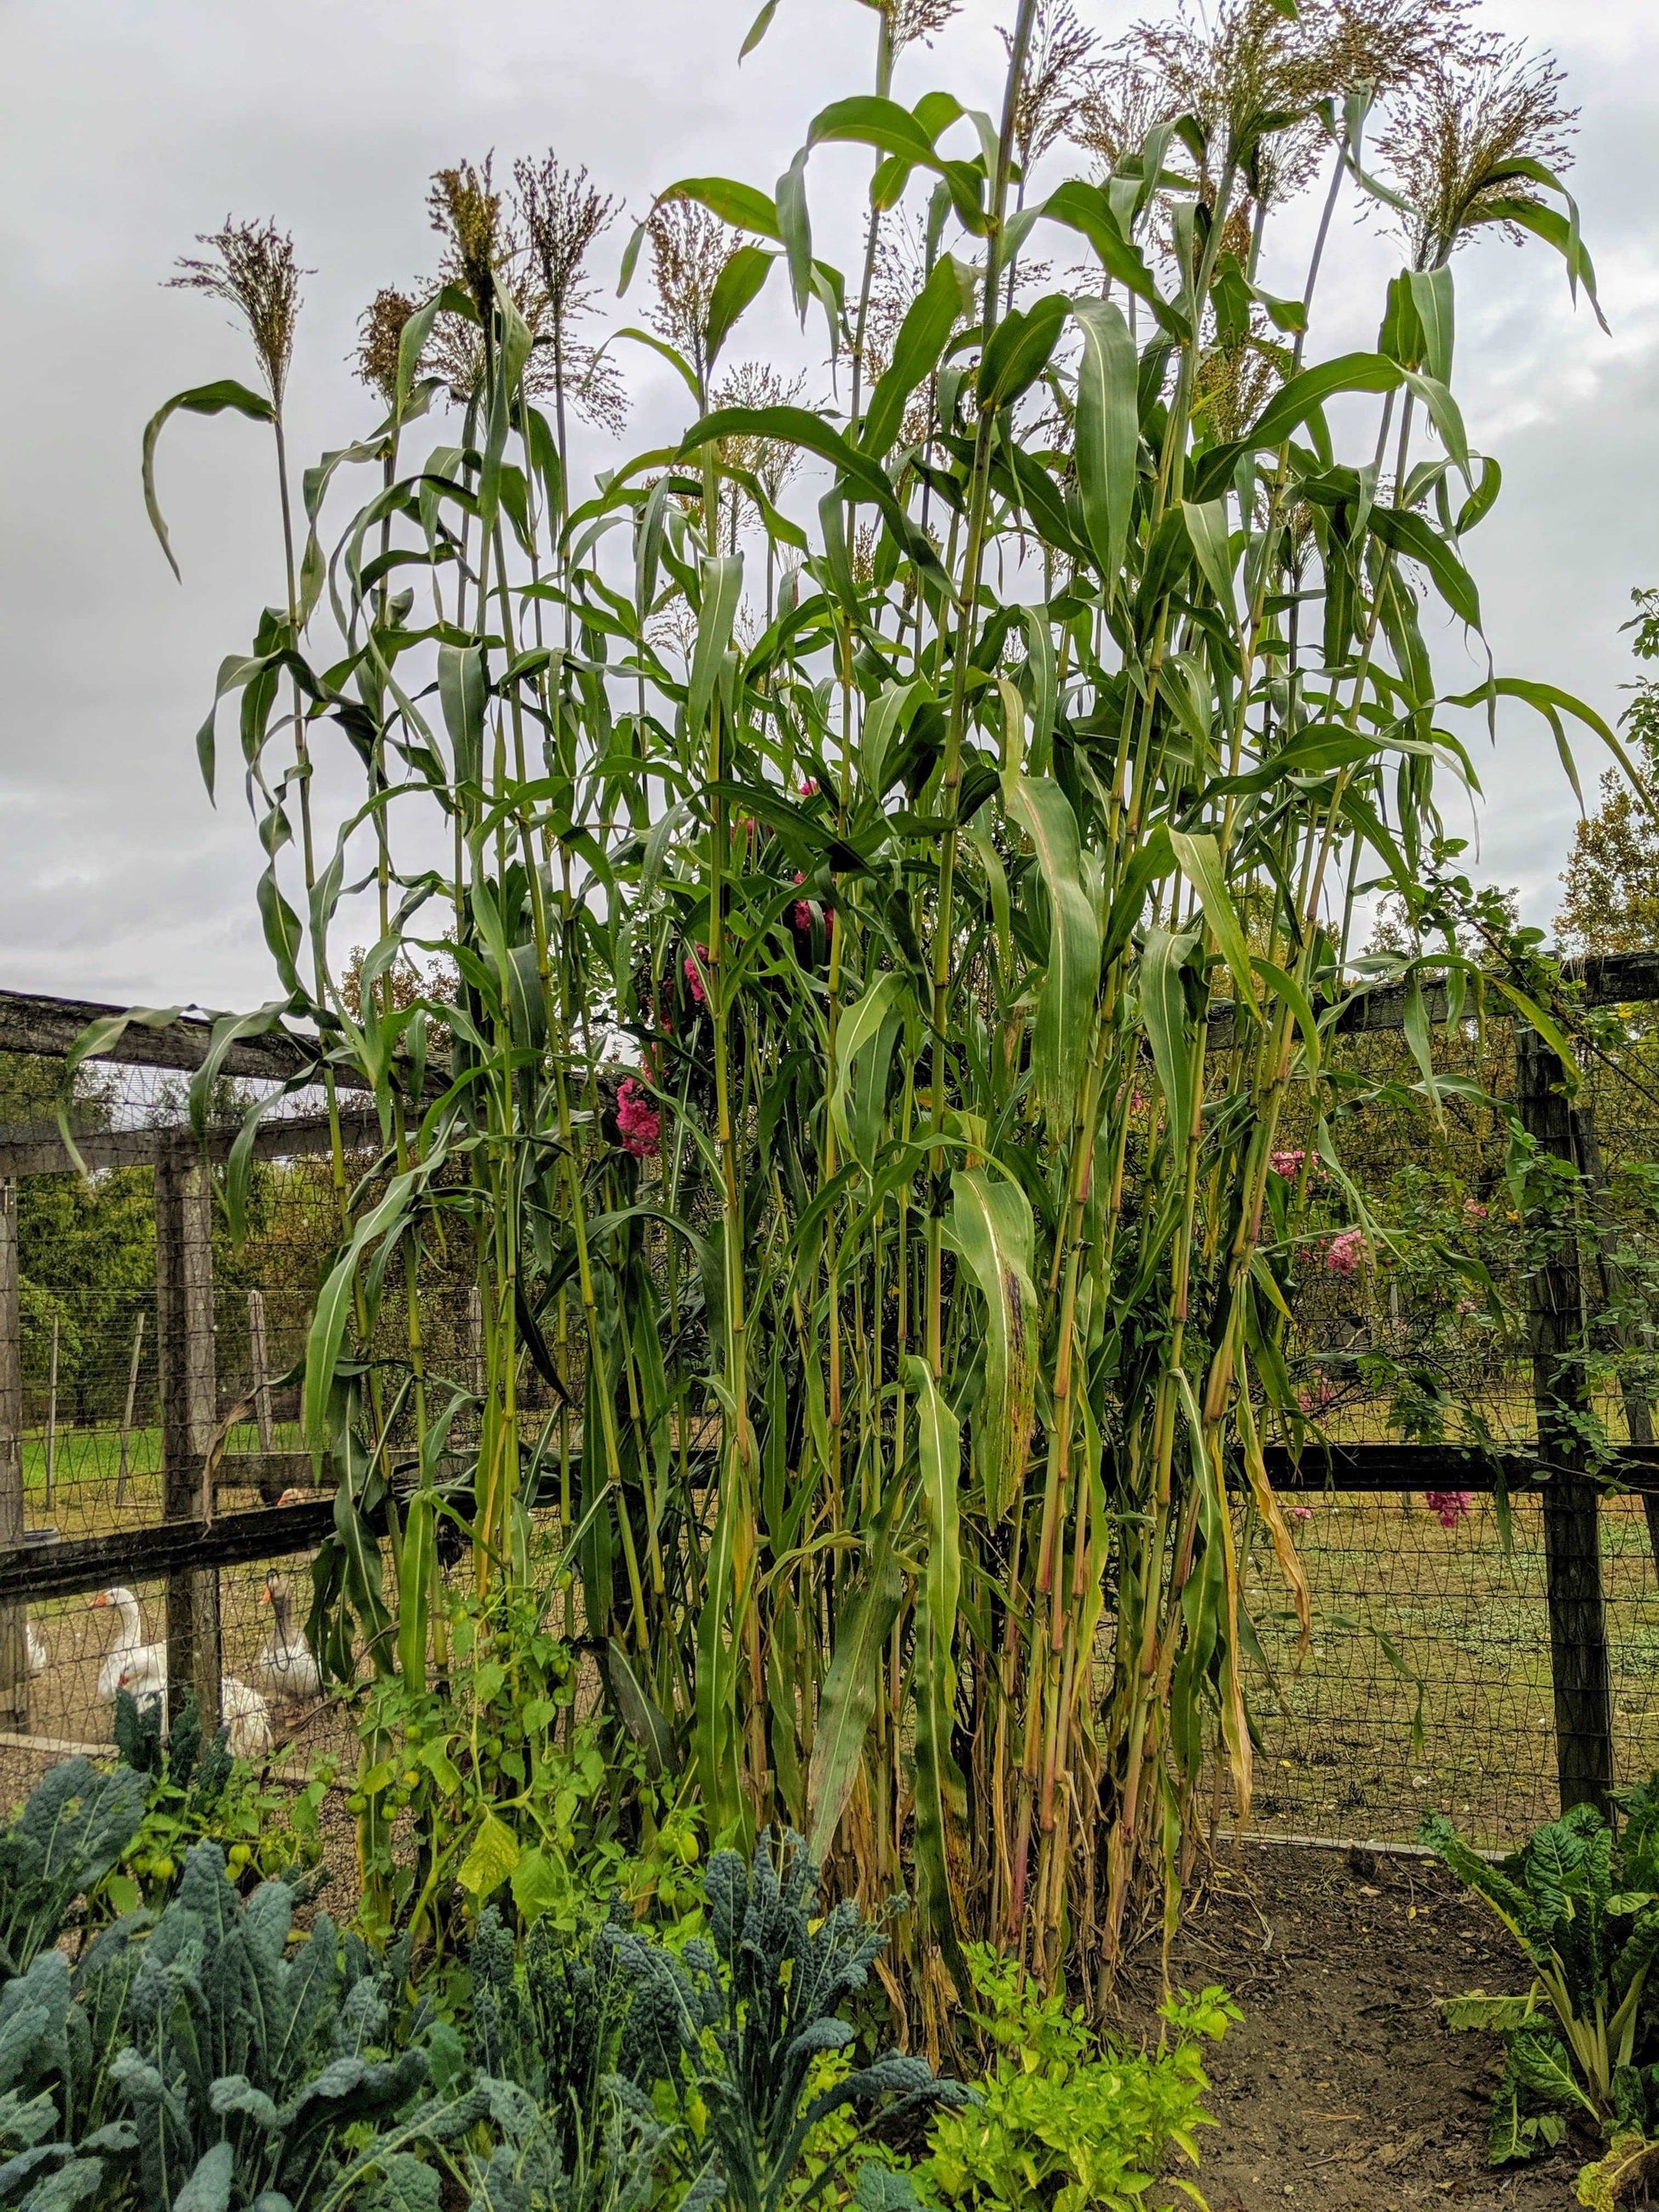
{"x":967,"y":918}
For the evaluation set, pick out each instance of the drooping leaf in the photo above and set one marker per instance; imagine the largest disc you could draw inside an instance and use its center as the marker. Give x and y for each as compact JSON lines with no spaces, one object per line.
{"x":853,"y":1685}
{"x":990,"y":1226}
{"x":1065,"y":1001}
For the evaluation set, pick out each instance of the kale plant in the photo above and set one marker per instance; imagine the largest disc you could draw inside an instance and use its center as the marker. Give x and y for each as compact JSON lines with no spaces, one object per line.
{"x":247,"y":2066}
{"x":62,"y":1844}
{"x":736,"y":2022}
{"x":1583,"y":1905}
{"x":550,"y":2037}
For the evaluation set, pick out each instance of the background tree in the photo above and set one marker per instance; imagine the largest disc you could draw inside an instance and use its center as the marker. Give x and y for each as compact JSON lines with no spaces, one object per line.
{"x":1612,"y":880}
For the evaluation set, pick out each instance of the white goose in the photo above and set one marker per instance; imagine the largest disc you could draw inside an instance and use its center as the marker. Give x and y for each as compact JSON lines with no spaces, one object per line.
{"x":132,"y":1663}
{"x":40,"y":1657}
{"x":285,"y":1665}
{"x":141,"y":1670}
{"x":246,"y":1718}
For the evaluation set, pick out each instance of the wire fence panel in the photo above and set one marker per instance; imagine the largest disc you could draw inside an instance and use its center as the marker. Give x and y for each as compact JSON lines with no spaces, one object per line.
{"x":1427,"y":1686}
{"x":1428,"y":1681}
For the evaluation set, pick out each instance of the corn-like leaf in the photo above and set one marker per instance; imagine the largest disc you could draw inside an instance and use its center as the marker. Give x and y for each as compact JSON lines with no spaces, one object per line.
{"x":722,"y":588}
{"x":1201,"y":862}
{"x":1163,"y":1015}
{"x":928,"y":322}
{"x":853,"y":1684}
{"x":1065,"y":1001}
{"x":203,"y":399}
{"x":1108,"y":430}
{"x":990,"y":1227}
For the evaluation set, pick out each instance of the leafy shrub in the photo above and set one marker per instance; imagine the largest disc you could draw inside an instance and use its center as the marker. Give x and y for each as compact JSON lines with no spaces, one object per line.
{"x":1583,"y":1904}
{"x":504,"y":1795}
{"x":66,"y":1838}
{"x":1066,"y":2121}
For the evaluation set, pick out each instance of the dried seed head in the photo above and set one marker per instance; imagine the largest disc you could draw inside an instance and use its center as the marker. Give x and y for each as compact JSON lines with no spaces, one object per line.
{"x":562,"y":214}
{"x":588,"y":380}
{"x":1449,"y":139}
{"x":1235,"y":381}
{"x":253,"y":270}
{"x":689,"y":249}
{"x":900,"y":272}
{"x":1056,"y":79}
{"x":907,"y":20}
{"x":1256,"y":79}
{"x":770,"y":461}
{"x":380,"y":328}
{"x":466,"y":212}
{"x":1120,"y":102}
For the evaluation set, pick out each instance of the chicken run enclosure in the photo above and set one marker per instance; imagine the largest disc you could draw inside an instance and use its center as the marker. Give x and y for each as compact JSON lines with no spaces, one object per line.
{"x":1479,"y":1534}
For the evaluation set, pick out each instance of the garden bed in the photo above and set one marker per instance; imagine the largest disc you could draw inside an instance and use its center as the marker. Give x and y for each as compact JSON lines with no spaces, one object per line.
{"x":1343,"y":2089}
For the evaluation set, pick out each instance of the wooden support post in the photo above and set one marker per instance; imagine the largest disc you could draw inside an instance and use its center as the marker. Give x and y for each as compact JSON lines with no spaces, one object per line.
{"x":259,"y":1367}
{"x":51,"y":1418}
{"x":14,"y":1640}
{"x":125,"y":1474}
{"x":1573,"y":1547}
{"x":189,"y":1393}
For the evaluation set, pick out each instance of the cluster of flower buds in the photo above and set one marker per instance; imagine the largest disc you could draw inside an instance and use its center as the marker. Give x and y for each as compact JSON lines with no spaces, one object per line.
{"x":1449,"y":1506}
{"x":800,"y":914}
{"x":639,"y":1123}
{"x":1344,"y":1252}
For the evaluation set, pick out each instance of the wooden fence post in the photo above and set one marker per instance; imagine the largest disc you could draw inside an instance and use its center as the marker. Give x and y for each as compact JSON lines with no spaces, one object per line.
{"x":188,"y":1378}
{"x":14,"y":1643}
{"x":260,"y":1369}
{"x":124,"y":1474}
{"x":1572,"y":1542}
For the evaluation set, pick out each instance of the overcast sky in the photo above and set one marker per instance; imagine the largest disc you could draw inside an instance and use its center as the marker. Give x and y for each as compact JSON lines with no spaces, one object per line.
{"x":129,"y":126}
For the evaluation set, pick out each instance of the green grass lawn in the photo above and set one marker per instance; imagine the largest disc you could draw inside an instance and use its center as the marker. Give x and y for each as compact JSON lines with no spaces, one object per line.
{"x":95,"y":1455}
{"x":1427,"y":1686}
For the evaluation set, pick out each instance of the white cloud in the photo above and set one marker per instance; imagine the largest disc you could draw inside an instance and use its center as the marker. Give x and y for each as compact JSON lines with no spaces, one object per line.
{"x":126,"y":126}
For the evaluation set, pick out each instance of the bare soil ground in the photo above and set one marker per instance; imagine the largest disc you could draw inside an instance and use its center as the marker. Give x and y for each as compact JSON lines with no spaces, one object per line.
{"x":1343,"y":2089}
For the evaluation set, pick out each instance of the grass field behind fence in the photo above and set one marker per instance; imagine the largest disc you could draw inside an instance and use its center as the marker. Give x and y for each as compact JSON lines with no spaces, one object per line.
{"x":1427,"y":1686}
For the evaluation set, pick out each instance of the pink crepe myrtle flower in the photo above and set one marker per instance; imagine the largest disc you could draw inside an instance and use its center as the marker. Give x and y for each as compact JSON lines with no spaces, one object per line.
{"x":1301,"y":1513}
{"x":1449,"y":1506}
{"x":1475,"y":1212}
{"x":694,"y":973}
{"x":639,"y":1123}
{"x":809,"y":790}
{"x":1344,"y":1252}
{"x":1288,"y":1163}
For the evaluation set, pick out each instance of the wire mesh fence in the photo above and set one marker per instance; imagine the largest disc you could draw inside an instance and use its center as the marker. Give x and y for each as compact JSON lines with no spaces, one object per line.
{"x":1427,"y":1680}
{"x":1426,"y":1686}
